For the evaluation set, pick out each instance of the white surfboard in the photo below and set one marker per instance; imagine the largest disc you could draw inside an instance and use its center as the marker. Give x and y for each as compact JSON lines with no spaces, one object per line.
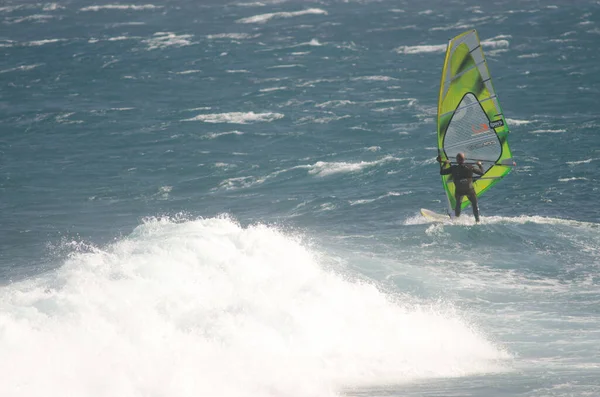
{"x":434,"y":216}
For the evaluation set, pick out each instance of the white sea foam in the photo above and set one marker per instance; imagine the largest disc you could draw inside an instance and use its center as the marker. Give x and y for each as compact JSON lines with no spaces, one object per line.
{"x":117,"y":38}
{"x":37,"y":43}
{"x":250,"y":309}
{"x":322,"y":119}
{"x":260,"y":3}
{"x":237,"y":117}
{"x":252,"y":4}
{"x":548,"y":131}
{"x":572,"y":179}
{"x":192,"y":71}
{"x":498,"y":47}
{"x":391,"y":100}
{"x":163,"y":193}
{"x":455,"y":26}
{"x":52,"y":7}
{"x":241,"y":182}
{"x":374,"y":78}
{"x":286,"y":66}
{"x":388,"y":109}
{"x":121,"y":38}
{"x":262,"y":18}
{"x":532,"y":55}
{"x":562,"y":40}
{"x":13,"y":7}
{"x":520,"y":122}
{"x":327,"y":207}
{"x":320,"y":169}
{"x":235,"y":36}
{"x":323,"y":168}
{"x":132,"y":23}
{"x":312,"y":42}
{"x":421,"y":49}
{"x":214,"y":135}
{"x":367,"y":201}
{"x":21,"y":68}
{"x":271,"y":89}
{"x":63,"y":118}
{"x":497,"y":41}
{"x":121,"y":7}
{"x":587,"y":161}
{"x":334,"y":103}
{"x":311,"y":83}
{"x":168,"y":39}
{"x":31,"y":18}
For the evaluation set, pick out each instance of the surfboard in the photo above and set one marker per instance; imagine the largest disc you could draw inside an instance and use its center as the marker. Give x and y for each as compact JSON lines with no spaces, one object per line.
{"x":470,"y":119}
{"x":434,"y":216}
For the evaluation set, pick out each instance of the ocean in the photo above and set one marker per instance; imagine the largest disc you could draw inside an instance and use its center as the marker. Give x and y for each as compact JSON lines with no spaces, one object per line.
{"x":221,"y":198}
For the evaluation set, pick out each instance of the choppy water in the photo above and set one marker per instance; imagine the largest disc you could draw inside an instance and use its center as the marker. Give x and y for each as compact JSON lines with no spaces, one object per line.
{"x":221,"y":198}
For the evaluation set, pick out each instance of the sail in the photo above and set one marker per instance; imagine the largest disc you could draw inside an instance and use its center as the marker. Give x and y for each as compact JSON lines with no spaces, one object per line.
{"x":470,"y":119}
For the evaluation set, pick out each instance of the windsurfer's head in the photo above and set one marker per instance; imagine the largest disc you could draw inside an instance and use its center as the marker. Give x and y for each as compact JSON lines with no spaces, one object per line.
{"x":460,"y":158}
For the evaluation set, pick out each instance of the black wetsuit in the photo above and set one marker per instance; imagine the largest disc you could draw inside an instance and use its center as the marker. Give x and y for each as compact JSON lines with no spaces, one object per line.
{"x":462,"y":175}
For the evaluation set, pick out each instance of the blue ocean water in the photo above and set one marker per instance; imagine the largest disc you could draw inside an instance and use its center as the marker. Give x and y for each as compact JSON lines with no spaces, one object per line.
{"x":222,"y":198}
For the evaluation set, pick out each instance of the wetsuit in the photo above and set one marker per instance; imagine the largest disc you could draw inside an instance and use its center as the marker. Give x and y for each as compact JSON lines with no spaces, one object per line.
{"x":462,"y":175}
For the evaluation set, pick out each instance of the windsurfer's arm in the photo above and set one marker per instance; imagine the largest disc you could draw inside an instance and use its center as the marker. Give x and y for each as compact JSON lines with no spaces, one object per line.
{"x":478,"y":171}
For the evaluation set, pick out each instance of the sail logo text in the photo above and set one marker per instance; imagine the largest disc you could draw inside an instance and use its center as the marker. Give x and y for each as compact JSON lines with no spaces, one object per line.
{"x":497,"y":123}
{"x":480,"y":145}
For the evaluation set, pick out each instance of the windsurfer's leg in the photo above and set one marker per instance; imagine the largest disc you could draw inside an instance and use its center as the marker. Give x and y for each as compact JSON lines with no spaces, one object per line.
{"x":457,"y":208}
{"x":473,"y":199}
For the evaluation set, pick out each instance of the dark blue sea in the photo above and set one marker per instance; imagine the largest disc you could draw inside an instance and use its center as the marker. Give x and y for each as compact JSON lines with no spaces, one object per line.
{"x":221,"y":198}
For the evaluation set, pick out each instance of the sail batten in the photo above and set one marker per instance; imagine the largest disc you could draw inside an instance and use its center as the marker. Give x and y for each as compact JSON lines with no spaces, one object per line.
{"x":466,"y":71}
{"x":461,"y":144}
{"x":471,"y":104}
{"x":470,"y":119}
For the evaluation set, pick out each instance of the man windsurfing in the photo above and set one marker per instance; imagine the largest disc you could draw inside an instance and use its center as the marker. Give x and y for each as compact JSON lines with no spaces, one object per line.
{"x":462,"y":175}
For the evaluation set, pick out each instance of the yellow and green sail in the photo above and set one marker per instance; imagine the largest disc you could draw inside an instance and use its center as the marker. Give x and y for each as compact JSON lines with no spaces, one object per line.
{"x":470,"y":119}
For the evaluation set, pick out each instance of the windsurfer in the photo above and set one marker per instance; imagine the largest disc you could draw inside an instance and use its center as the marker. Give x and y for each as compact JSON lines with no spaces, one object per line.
{"x":462,"y":175}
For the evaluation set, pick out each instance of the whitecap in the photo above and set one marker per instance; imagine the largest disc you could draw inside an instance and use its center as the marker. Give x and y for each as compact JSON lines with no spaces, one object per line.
{"x":262,"y":18}
{"x":21,"y":68}
{"x":121,"y":7}
{"x":572,"y":179}
{"x":235,"y":36}
{"x":520,"y":122}
{"x":548,"y":131}
{"x":237,"y":117}
{"x":168,"y":39}
{"x":323,"y":168}
{"x":218,"y":134}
